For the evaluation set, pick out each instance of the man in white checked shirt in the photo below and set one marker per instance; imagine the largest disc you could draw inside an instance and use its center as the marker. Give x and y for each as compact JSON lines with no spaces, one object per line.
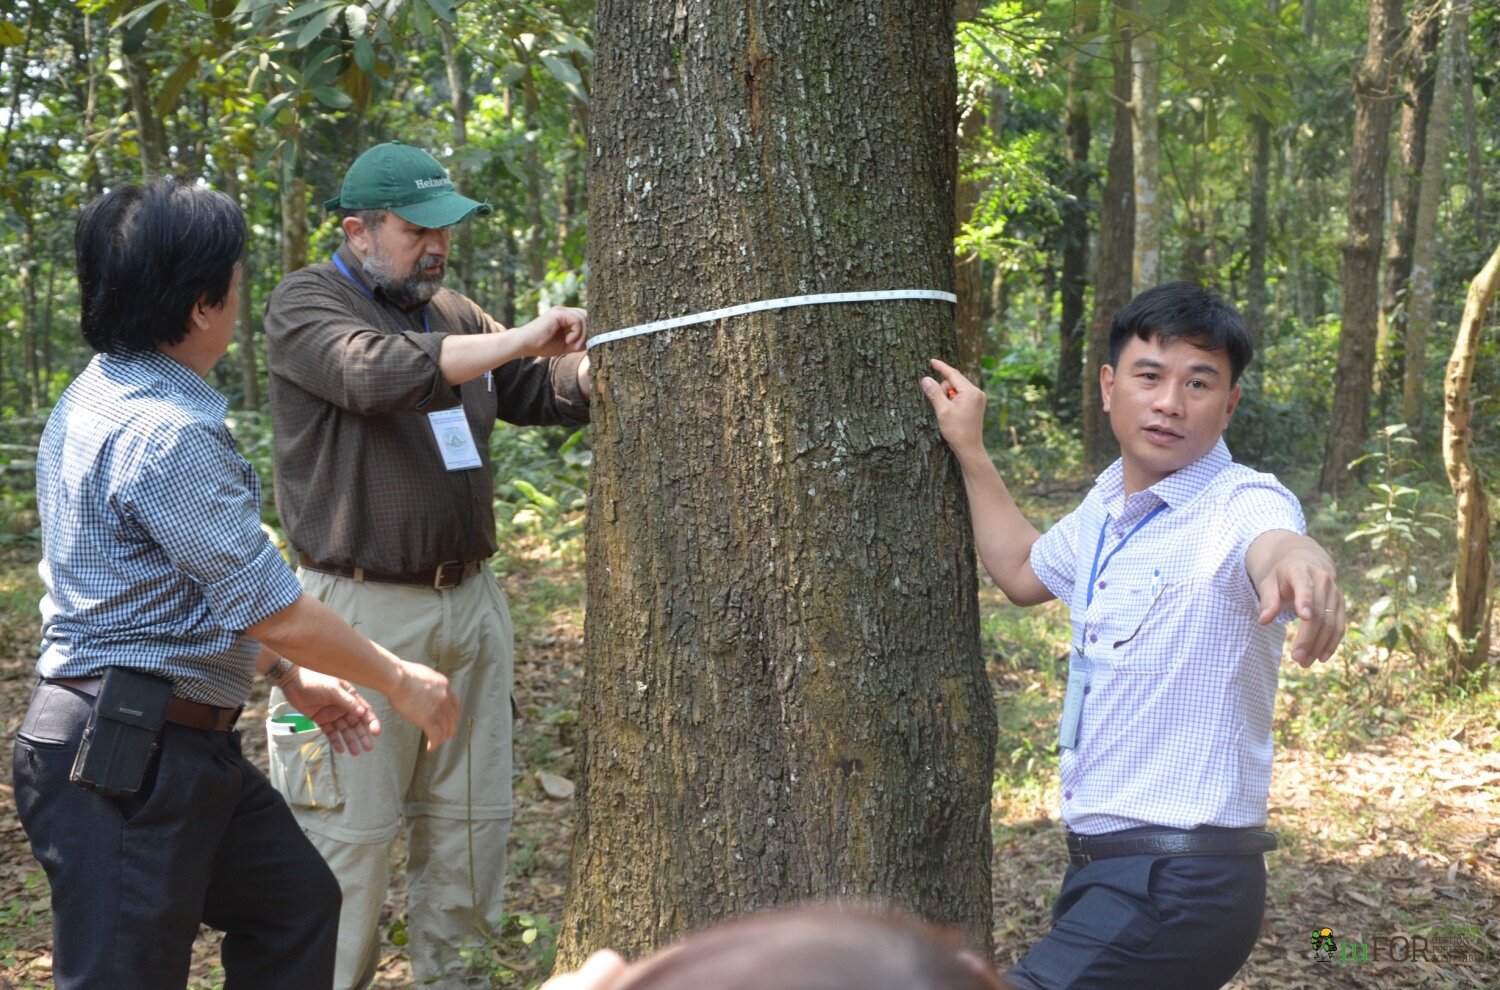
{"x":1181,"y":569}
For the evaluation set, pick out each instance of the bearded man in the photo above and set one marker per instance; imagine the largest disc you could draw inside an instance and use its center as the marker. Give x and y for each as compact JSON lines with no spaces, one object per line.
{"x":384,"y":388}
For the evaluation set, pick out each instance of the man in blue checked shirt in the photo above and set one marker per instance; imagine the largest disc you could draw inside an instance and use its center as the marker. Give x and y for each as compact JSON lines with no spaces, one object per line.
{"x":1180,"y":569}
{"x":159,"y":577}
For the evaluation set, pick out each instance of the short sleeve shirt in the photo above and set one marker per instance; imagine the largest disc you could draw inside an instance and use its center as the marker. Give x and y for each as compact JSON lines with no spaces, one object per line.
{"x":153,"y":556}
{"x":1175,"y":727}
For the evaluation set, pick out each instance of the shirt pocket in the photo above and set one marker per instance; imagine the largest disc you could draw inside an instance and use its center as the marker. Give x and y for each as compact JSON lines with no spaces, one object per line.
{"x":1140,"y":640}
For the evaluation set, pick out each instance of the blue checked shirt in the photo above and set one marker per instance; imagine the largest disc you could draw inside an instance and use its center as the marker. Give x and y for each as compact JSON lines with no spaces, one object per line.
{"x":1176,"y":723}
{"x":152,"y":551}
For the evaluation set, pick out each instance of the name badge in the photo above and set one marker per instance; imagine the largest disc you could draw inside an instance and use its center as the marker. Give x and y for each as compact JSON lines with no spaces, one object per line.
{"x":454,"y":439}
{"x":1078,"y":680}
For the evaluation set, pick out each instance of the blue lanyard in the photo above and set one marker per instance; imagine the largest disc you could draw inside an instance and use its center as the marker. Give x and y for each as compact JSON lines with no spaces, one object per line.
{"x":1098,"y":568}
{"x":368,"y":294}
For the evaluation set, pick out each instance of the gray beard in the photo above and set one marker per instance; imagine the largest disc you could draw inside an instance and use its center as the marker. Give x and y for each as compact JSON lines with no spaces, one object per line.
{"x":411,"y":290}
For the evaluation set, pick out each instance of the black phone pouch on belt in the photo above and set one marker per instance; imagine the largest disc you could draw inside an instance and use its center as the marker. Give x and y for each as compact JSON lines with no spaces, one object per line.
{"x":123,"y":732}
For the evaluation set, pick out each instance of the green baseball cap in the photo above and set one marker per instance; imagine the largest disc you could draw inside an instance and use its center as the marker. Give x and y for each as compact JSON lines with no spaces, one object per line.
{"x":407,"y":181}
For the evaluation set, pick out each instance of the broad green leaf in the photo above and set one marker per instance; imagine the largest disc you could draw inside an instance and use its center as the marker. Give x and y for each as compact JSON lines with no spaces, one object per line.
{"x":302,"y":11}
{"x":315,"y":27}
{"x":561,"y":70}
{"x":444,"y":9}
{"x":364,"y":53}
{"x":11,"y":35}
{"x":331,"y":97}
{"x":171,"y":90}
{"x":139,"y":14}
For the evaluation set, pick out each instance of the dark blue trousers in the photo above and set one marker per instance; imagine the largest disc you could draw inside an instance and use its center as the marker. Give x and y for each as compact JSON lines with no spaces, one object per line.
{"x":1152,"y":922}
{"x":206,"y":840}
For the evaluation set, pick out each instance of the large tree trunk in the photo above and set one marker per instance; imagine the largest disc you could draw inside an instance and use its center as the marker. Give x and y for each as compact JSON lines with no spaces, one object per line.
{"x":1468,"y":627}
{"x":1072,"y":330}
{"x":1368,"y":155}
{"x":784,"y":697}
{"x":1416,"y":107}
{"x":1112,"y":283}
{"x":1424,"y":243}
{"x":1145,"y":93}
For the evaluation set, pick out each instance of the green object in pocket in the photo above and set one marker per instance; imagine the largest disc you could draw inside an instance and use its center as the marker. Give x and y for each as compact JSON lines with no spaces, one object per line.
{"x":299,"y":723}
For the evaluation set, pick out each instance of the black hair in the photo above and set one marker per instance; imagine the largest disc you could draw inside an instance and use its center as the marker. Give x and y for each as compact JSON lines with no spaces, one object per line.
{"x":147,"y":254}
{"x":1183,"y":311}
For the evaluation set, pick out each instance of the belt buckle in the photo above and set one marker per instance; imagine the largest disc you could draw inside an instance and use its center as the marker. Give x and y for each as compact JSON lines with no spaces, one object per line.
{"x":438,"y":576}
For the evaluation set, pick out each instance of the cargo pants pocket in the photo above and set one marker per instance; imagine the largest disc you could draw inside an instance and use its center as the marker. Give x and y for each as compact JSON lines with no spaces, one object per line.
{"x":302,"y":768}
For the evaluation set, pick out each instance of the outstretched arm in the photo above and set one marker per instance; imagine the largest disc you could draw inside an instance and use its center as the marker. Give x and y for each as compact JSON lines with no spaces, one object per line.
{"x":1002,"y":534}
{"x":1290,"y":569}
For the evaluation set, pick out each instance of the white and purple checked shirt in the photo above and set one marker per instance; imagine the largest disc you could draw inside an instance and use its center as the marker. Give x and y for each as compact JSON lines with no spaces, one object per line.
{"x":1176,"y":722}
{"x":152,"y":551}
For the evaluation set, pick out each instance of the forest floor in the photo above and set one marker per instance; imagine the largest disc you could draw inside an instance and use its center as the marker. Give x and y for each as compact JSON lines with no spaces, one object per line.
{"x":1384,"y":796}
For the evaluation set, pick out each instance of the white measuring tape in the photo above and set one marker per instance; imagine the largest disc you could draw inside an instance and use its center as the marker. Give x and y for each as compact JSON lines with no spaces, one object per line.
{"x":817,"y":299}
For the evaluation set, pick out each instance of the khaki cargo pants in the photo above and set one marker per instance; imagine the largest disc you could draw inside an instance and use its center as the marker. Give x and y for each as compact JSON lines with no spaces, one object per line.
{"x":455,"y":803}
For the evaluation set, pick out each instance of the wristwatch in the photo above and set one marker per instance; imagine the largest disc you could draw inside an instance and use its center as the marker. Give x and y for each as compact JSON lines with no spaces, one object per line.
{"x":280,"y":671}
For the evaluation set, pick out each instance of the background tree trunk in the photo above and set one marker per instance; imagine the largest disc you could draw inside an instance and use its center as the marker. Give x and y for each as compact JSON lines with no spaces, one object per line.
{"x":151,"y":136}
{"x":1424,"y":241}
{"x":968,"y":286}
{"x":1471,"y":128}
{"x":293,"y":190}
{"x":1145,"y":94}
{"x":784,"y":696}
{"x":1406,"y":182}
{"x":1112,"y":283}
{"x":1259,"y":232}
{"x":456,"y":62}
{"x":1468,"y":628}
{"x":245,"y":331}
{"x":1072,"y":330}
{"x":1369,"y":153}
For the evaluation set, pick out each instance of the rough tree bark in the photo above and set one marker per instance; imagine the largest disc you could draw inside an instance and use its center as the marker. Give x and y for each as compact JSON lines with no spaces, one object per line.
{"x":1368,"y":155}
{"x":784,"y":697}
{"x":1424,"y":253}
{"x":1468,"y":628}
{"x":1113,"y":280}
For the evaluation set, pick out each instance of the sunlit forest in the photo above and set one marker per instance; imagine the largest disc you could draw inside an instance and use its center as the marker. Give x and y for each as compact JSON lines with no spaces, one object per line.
{"x":1327,"y":166}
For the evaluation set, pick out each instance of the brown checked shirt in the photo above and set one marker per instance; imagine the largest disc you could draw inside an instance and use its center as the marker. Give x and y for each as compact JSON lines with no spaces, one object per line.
{"x":360,"y":481}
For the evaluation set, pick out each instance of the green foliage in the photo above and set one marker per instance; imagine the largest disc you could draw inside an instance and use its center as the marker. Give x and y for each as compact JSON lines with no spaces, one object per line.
{"x":1022,"y":432}
{"x":1396,"y":527}
{"x":541,"y":475}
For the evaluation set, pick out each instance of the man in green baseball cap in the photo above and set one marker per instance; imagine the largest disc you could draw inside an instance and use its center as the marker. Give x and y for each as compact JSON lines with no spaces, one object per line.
{"x":407,"y":181}
{"x":385,"y":387}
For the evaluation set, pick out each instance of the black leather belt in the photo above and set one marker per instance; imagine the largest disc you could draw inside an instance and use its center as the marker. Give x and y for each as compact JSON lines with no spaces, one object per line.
{"x":1084,"y":849}
{"x":180,"y":711}
{"x":448,"y":574}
